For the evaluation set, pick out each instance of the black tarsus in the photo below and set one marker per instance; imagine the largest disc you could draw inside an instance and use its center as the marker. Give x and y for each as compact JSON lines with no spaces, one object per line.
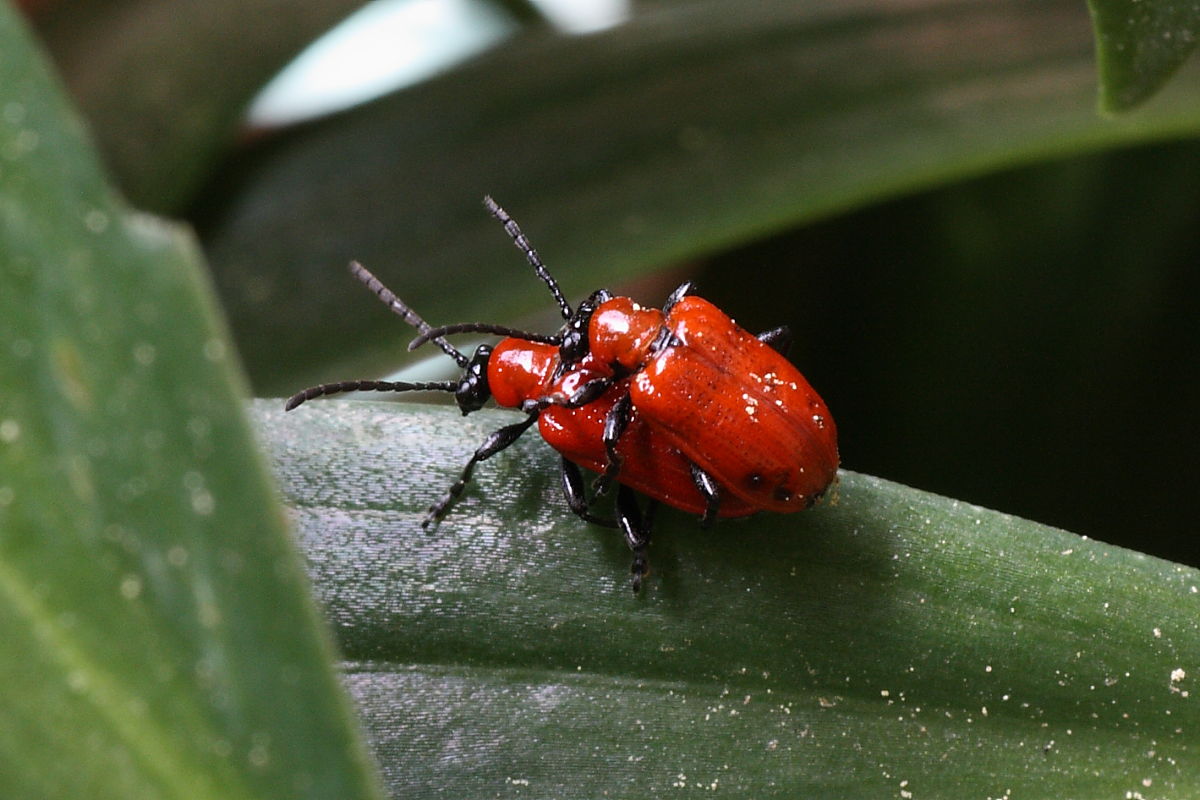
{"x":535,"y":261}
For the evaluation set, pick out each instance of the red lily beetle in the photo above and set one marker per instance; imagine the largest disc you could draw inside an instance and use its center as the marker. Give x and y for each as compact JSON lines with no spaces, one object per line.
{"x":679,"y":404}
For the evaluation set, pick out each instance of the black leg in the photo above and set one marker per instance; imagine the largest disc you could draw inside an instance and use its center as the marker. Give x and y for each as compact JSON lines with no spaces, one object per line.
{"x":636,"y":530}
{"x":573,"y":491}
{"x":589,"y":392}
{"x":615,"y":423}
{"x":491,"y":445}
{"x":685,"y":288}
{"x":712,"y":494}
{"x":778,"y":339}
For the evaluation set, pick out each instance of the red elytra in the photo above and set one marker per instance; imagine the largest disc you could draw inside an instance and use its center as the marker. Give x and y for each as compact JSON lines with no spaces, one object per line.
{"x":729,"y":402}
{"x":679,"y":404}
{"x":520,"y":371}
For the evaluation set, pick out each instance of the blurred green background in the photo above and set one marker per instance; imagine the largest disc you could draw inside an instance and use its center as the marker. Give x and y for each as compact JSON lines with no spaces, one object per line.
{"x":992,"y":284}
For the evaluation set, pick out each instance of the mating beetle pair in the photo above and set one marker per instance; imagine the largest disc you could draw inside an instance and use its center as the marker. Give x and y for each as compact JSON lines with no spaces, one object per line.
{"x":679,"y":404}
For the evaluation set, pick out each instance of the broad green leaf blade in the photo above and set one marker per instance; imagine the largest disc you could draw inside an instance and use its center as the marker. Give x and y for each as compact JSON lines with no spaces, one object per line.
{"x":888,"y":643}
{"x":165,"y":85}
{"x":1140,"y":45}
{"x":158,"y":636}
{"x":674,"y":135}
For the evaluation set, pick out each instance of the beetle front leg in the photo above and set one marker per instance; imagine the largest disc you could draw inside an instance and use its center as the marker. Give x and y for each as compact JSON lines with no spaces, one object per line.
{"x":615,"y":423}
{"x":589,"y":392}
{"x":711,"y":492}
{"x":636,"y":529}
{"x":573,"y":491}
{"x":493,"y":444}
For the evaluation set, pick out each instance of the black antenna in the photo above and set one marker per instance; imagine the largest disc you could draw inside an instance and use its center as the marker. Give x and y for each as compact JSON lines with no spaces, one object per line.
{"x":531,"y":255}
{"x":433,"y":334}
{"x":367,"y":386}
{"x":407,"y":314}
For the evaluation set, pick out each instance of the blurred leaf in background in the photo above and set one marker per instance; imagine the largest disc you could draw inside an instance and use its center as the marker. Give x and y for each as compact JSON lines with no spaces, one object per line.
{"x":1140,"y":46}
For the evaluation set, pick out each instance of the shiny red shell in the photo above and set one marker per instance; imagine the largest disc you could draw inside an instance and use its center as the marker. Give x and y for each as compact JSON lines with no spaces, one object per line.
{"x":519,"y":370}
{"x":710,"y":394}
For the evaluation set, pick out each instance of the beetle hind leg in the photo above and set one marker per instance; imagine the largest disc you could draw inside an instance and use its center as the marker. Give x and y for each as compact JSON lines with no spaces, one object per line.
{"x":636,"y":529}
{"x":711,"y":492}
{"x":493,"y":444}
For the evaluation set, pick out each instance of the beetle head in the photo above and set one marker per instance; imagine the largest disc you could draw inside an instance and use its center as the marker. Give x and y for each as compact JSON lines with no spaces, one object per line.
{"x":574,"y":344}
{"x":472,"y":390}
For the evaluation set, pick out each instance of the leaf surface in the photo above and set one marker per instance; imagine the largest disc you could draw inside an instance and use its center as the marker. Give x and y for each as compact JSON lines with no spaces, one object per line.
{"x":887,"y":642}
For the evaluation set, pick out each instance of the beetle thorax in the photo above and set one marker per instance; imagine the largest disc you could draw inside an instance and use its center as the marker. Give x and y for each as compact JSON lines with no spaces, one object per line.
{"x":520,"y":370}
{"x":623,"y":332}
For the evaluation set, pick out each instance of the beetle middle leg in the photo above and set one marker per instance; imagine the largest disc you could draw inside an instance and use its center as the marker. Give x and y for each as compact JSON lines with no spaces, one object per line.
{"x":615,"y":422}
{"x":493,"y":444}
{"x":573,"y":491}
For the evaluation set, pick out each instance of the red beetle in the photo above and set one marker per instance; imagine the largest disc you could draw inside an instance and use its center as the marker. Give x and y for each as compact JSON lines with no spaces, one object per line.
{"x":679,"y":404}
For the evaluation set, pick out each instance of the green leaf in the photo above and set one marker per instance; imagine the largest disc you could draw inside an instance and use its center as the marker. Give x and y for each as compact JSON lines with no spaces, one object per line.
{"x":672,"y":136}
{"x":159,"y":640}
{"x":1140,"y":44}
{"x":887,"y":643}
